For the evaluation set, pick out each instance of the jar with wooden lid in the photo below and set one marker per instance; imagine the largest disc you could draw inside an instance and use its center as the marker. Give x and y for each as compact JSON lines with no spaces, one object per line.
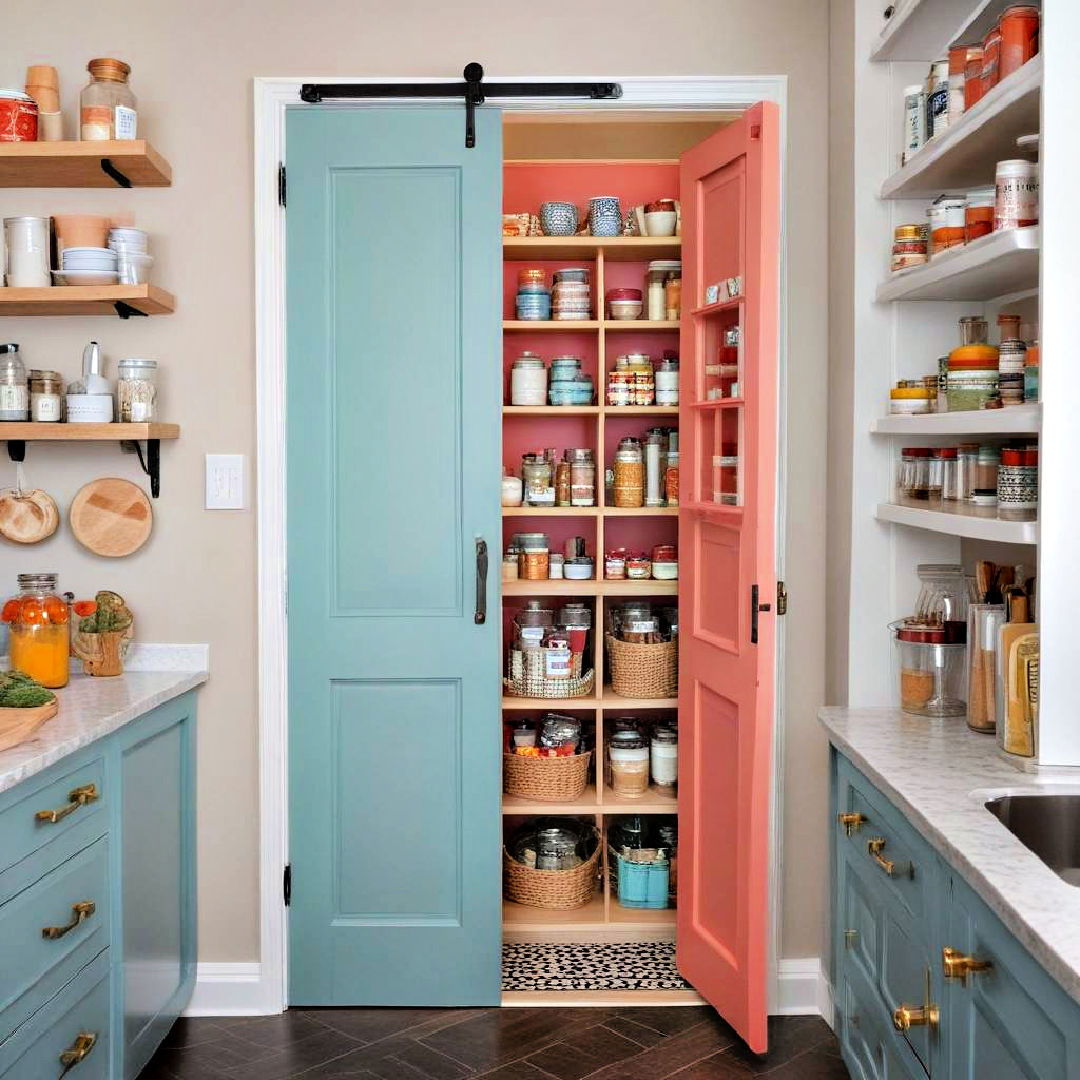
{"x":46,"y":394}
{"x":39,"y":621}
{"x":629,"y":474}
{"x":107,"y":107}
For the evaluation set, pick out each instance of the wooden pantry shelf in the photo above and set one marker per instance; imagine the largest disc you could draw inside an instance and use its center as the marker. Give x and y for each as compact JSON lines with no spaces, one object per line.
{"x":590,"y":587}
{"x":641,"y":410}
{"x":53,"y":432}
{"x":83,"y":164}
{"x":1003,"y":262}
{"x":640,"y":511}
{"x":965,"y":156}
{"x":589,"y":701}
{"x":590,"y":923}
{"x":551,"y":410}
{"x":586,"y":803}
{"x":623,"y":326}
{"x":611,"y":700}
{"x":551,"y":326}
{"x":965,"y":524}
{"x":1016,"y":420}
{"x":656,"y":800}
{"x":615,"y":248}
{"x":121,"y":300}
{"x":551,"y":511}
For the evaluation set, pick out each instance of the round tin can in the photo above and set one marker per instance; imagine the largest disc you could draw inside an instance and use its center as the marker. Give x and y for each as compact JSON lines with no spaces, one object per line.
{"x":18,"y":117}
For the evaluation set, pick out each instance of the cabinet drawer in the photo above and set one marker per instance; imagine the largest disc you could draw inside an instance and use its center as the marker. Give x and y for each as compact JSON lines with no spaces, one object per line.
{"x":22,"y":832}
{"x":80,"y":1010}
{"x":35,"y":966}
{"x":882,"y":840}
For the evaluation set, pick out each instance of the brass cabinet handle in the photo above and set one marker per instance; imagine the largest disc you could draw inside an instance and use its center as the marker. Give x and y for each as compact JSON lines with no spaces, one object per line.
{"x":80,"y":796}
{"x":80,"y":912}
{"x":906,"y":1017}
{"x":852,"y":822}
{"x":78,"y":1051}
{"x":875,"y":846}
{"x":959,"y":966}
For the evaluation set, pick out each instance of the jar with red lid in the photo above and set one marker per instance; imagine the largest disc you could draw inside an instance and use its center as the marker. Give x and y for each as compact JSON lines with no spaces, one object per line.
{"x":665,"y":562}
{"x":615,"y":565}
{"x":1018,"y":484}
{"x":638,"y":567}
{"x":1019,"y":29}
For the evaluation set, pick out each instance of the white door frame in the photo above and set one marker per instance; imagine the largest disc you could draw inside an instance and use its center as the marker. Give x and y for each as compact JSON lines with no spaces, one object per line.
{"x":272,"y":98}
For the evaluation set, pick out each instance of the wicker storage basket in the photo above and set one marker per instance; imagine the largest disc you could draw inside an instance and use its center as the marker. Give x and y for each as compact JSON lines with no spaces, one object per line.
{"x":525,"y":677}
{"x":546,"y":779}
{"x":643,"y":671}
{"x":561,"y":890}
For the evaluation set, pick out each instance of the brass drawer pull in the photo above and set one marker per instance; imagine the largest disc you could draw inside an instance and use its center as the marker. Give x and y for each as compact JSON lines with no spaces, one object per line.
{"x":875,"y":846}
{"x":80,"y":796}
{"x":78,"y":1051}
{"x":80,"y":912}
{"x":852,"y":821}
{"x":908,"y":1016}
{"x":959,"y":966}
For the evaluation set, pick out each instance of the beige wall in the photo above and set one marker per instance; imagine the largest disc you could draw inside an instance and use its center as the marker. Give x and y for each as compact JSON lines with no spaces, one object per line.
{"x":193,"y":65}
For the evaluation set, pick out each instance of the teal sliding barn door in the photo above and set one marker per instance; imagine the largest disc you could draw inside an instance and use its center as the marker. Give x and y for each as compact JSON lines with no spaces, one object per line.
{"x":393,"y":405}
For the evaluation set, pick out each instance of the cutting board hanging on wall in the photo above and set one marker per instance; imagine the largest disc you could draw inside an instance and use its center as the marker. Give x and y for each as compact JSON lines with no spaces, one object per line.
{"x":111,"y":517}
{"x":27,"y":516}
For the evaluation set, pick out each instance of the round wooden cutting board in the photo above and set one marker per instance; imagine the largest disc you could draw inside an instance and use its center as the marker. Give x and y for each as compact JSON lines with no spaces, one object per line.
{"x":27,"y":517}
{"x":111,"y":517}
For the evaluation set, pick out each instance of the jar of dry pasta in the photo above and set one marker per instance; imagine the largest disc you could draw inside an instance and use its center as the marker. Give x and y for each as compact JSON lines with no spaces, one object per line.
{"x":629,"y":474}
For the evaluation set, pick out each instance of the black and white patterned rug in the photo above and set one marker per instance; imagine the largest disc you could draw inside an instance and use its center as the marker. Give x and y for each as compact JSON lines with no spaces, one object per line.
{"x":647,"y":965}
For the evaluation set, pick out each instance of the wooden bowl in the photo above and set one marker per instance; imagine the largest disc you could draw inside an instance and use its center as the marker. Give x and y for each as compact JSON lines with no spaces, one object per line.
{"x":27,"y":517}
{"x":18,"y":725}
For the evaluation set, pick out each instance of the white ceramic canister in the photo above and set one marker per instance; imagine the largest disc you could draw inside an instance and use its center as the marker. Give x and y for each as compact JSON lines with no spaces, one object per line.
{"x":27,"y":242}
{"x":667,"y":382}
{"x":664,"y":757}
{"x":1017,"y":199}
{"x":528,"y":380}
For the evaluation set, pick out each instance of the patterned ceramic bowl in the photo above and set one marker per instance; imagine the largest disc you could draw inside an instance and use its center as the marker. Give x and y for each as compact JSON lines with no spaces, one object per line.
{"x":605,"y":218}
{"x":558,"y":218}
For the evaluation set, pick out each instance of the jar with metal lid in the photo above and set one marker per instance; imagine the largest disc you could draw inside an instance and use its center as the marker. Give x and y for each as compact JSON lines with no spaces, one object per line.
{"x":576,"y":616}
{"x":510,"y":564}
{"x":909,"y":246}
{"x":950,"y":474}
{"x":664,"y":757}
{"x":628,"y":757}
{"x":666,"y":378}
{"x":582,"y":477}
{"x":39,"y":643}
{"x":638,"y":568}
{"x":136,"y":391}
{"x":107,"y":107}
{"x":528,"y":380}
{"x":46,"y":390}
{"x":629,"y":474}
{"x":533,"y":563}
{"x":14,"y":392}
{"x":533,"y":621}
{"x":538,"y":478}
{"x":636,"y":622}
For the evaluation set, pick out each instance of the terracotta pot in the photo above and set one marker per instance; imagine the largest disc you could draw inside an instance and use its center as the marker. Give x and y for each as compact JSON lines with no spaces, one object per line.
{"x":80,"y":230}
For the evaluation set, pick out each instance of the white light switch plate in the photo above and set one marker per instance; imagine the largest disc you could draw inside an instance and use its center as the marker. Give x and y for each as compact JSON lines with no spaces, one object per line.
{"x":225,"y":482}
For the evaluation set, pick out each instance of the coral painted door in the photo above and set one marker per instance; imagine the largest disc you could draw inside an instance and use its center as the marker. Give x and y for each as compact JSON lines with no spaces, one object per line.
{"x":730,"y":191}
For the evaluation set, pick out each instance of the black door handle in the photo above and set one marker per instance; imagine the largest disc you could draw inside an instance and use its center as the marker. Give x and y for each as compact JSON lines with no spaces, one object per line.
{"x":480,"y":615}
{"x":755,"y":607}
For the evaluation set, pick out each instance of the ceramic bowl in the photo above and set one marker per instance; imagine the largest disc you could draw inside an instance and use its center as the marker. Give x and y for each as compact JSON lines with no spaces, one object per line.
{"x":605,"y":217}
{"x":570,"y":275}
{"x":660,"y":223}
{"x":558,"y":218}
{"x":85,"y":277}
{"x":131,"y":238}
{"x":578,"y":569}
{"x":624,"y":309}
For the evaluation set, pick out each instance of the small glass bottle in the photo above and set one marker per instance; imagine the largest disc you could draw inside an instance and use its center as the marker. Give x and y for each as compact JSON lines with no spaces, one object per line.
{"x":39,"y":644}
{"x":950,"y":474}
{"x":107,"y":107}
{"x":14,"y":393}
{"x":46,"y":390}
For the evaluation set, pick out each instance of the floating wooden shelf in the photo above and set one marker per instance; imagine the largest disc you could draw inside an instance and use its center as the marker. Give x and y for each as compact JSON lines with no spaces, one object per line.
{"x":1016,"y":420}
{"x":995,"y":265}
{"x":965,"y":524}
{"x":966,"y":154}
{"x":51,"y":432}
{"x":83,"y":164}
{"x":627,"y":325}
{"x":708,"y":310}
{"x":615,"y":248}
{"x":551,"y":511}
{"x":551,"y":410}
{"x":122,"y":300}
{"x":552,"y":326}
{"x":590,"y":588}
{"x":641,"y":511}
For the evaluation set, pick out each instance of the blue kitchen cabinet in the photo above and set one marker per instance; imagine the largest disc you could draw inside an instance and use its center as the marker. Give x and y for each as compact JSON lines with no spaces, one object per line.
{"x":109,"y":871}
{"x":897,"y":905}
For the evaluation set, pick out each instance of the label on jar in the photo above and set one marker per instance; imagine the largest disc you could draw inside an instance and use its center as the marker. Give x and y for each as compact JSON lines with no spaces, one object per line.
{"x":639,"y":626}
{"x":96,"y":123}
{"x":13,"y":402}
{"x":557,"y":663}
{"x":44,"y":407}
{"x":531,"y":636}
{"x":665,"y":763}
{"x":125,"y":122}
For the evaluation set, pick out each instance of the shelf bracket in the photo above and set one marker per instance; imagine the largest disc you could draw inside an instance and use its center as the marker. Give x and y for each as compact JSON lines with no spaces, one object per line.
{"x":110,"y":170}
{"x":125,"y":311}
{"x":150,"y":464}
{"x":16,"y":449}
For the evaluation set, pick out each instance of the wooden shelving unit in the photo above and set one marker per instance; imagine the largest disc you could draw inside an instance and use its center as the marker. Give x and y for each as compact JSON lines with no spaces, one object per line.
{"x":614,"y":248}
{"x":119,"y":163}
{"x":52,"y":432}
{"x":122,"y":300}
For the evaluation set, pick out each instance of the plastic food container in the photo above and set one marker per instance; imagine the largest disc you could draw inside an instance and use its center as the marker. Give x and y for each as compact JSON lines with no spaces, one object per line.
{"x":578,"y":569}
{"x":909,"y":400}
{"x":624,"y":309}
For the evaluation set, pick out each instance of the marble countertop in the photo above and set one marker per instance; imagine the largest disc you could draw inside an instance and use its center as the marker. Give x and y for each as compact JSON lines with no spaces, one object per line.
{"x":940,"y":775}
{"x":92,"y":708}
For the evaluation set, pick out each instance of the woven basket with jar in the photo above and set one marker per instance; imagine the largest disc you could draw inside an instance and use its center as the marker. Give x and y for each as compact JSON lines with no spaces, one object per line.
{"x":546,"y":779}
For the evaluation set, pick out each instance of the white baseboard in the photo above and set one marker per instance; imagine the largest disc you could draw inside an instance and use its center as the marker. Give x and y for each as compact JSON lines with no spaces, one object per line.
{"x":802,"y":989}
{"x":229,"y":990}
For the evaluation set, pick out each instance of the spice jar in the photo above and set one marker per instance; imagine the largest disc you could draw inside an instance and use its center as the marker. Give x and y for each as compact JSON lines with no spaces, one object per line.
{"x":1016,"y":184}
{"x":666,"y":379}
{"x":673,"y":296}
{"x":991,"y":67}
{"x":985,"y":476}
{"x":973,"y":66}
{"x":1018,"y":484}
{"x":562,"y":483}
{"x":538,"y":478}
{"x":984,"y":623}
{"x":950,"y":474}
{"x":967,"y":457}
{"x":638,"y":568}
{"x":528,"y":380}
{"x":107,"y":107}
{"x":582,"y":477}
{"x":46,"y":388}
{"x":629,"y":474}
{"x":664,"y":757}
{"x":909,"y":246}
{"x":136,"y":391}
{"x":914,"y":119}
{"x":671,"y":474}
{"x":40,"y":632}
{"x":665,"y":562}
{"x":14,"y":394}
{"x":655,"y":439}
{"x":533,"y":560}
{"x":510,"y":564}
{"x":979,"y":214}
{"x":946,"y":216}
{"x":628,"y":756}
{"x":615,"y":565}
{"x":655,"y":292}
{"x":1019,"y":30}
{"x":973,"y":378}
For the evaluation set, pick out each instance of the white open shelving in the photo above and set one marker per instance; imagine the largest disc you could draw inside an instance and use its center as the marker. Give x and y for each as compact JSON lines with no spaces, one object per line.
{"x":924,"y":29}
{"x":995,"y":265}
{"x":966,"y":524}
{"x":1017,"y":420}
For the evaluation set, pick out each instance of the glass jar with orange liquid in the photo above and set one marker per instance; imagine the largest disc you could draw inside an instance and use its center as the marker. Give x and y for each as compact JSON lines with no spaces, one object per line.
{"x":40,"y":626}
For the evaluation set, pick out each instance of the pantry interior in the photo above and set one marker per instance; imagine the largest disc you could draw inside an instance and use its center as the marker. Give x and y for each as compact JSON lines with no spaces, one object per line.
{"x":572,"y":157}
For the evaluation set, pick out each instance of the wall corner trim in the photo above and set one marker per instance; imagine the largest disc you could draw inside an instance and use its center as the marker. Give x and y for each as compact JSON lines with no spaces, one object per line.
{"x":231,"y":989}
{"x":802,"y":989}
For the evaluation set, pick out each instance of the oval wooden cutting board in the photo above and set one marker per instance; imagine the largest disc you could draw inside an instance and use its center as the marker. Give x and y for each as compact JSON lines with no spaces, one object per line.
{"x":27,"y":517}
{"x":111,"y":517}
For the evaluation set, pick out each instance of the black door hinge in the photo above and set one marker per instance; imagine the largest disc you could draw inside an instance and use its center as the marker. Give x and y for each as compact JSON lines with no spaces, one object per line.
{"x":286,"y":884}
{"x":781,"y":598}
{"x":281,"y":185}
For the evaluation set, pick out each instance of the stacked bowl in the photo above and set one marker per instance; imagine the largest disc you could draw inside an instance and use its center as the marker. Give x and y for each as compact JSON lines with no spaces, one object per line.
{"x":87,"y":266}
{"x":132,"y":253}
{"x":571,"y":296}
{"x":533,"y":296}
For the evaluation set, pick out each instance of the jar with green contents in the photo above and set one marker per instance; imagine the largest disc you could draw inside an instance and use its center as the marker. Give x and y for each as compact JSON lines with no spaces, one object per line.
{"x":973,"y":378}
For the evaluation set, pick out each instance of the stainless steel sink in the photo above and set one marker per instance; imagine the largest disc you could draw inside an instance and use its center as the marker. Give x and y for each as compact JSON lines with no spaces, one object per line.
{"x":1048,"y":825}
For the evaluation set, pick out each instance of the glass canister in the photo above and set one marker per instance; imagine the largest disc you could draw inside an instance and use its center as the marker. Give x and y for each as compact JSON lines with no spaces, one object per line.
{"x":46,"y":390}
{"x":14,"y":392}
{"x":107,"y":107}
{"x":534,"y":620}
{"x":629,"y":474}
{"x":656,"y":292}
{"x":944,"y":595}
{"x":666,"y":379}
{"x":582,"y":477}
{"x":136,"y":391}
{"x":931,"y":672}
{"x":538,"y":479}
{"x":655,"y":453}
{"x":628,"y":757}
{"x":984,"y":623}
{"x":950,"y":474}
{"x":528,"y":380}
{"x":40,"y":630}
{"x":664,"y":757}
{"x":533,"y":562}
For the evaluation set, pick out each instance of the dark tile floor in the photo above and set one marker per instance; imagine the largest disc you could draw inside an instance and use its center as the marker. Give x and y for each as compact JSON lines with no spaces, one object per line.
{"x":690,"y":1043}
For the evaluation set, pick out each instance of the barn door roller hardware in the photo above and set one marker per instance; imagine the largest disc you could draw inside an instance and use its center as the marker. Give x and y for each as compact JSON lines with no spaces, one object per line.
{"x":472,"y":90}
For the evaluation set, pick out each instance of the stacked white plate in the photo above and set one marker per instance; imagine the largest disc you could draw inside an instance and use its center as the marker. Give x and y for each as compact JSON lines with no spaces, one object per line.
{"x":87,"y":266}
{"x":133,"y":256}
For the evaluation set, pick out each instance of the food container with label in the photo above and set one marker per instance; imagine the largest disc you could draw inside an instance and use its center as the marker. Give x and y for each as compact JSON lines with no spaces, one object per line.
{"x":14,"y":391}
{"x":136,"y":391}
{"x":1017,"y":194}
{"x":946,"y":216}
{"x":909,"y":247}
{"x":973,"y":378}
{"x":629,"y":474}
{"x":1018,"y":484}
{"x":665,"y":562}
{"x":533,"y":562}
{"x":18,"y":117}
{"x":107,"y":107}
{"x":664,"y":757}
{"x":666,"y":378}
{"x":979,"y":214}
{"x":46,"y":396}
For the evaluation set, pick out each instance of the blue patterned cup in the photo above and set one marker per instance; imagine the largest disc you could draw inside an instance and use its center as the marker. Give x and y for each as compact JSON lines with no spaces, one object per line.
{"x":605,"y":218}
{"x":558,"y":218}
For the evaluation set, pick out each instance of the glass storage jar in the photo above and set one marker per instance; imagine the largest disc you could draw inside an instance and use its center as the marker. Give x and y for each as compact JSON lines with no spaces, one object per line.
{"x":528,"y":380}
{"x":46,"y":389}
{"x":582,"y":477}
{"x":628,"y":756}
{"x":538,"y":476}
{"x":14,"y":393}
{"x":107,"y":107}
{"x":984,"y":622}
{"x":136,"y":391}
{"x":664,"y":757}
{"x":944,"y":595}
{"x":40,"y":630}
{"x":629,"y":474}
{"x":931,"y":672}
